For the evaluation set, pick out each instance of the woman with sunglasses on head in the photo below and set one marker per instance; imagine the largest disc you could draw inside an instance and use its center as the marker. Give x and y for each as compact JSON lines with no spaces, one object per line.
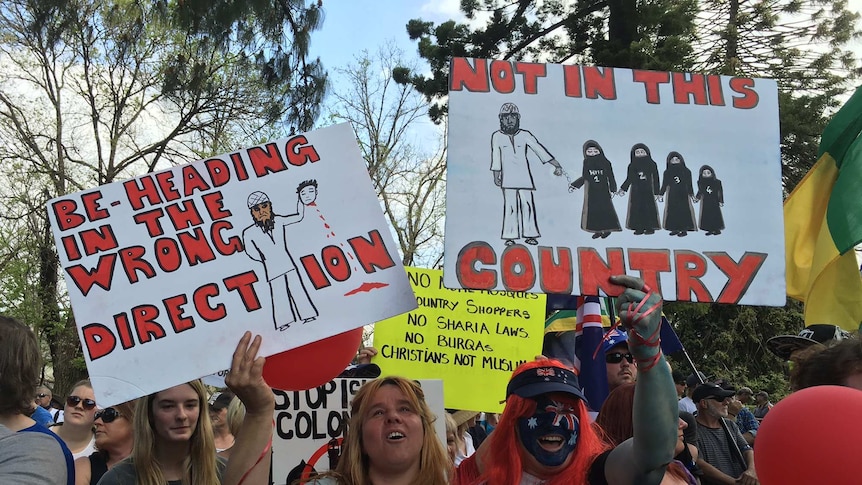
{"x":173,"y":436}
{"x":113,"y":440}
{"x":76,"y":430}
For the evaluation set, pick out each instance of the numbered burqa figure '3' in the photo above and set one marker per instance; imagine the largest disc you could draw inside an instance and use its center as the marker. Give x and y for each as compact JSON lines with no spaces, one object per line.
{"x":598,"y":214}
{"x":711,"y":196}
{"x":643,"y":179}
{"x":676,"y":185}
{"x":510,"y":148}
{"x":265,"y":242}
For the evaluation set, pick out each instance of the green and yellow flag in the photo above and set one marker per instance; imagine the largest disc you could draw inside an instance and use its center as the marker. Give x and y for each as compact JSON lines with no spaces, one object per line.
{"x":823,"y":222}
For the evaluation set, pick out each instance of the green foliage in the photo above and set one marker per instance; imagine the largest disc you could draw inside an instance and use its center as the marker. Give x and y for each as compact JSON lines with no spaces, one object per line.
{"x":729,"y":341}
{"x":645,"y":34}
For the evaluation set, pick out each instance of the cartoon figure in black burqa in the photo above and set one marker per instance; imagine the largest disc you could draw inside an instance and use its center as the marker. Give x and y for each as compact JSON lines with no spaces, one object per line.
{"x":676,"y":182}
{"x":598,"y":215}
{"x":643,"y":179}
{"x":711,"y":196}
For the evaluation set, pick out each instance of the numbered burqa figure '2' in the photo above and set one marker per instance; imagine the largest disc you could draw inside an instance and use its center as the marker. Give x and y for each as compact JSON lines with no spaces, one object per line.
{"x":598,"y":214}
{"x":265,"y":242}
{"x":643,"y":179}
{"x":711,"y":197}
{"x":676,"y":185}
{"x":510,"y":147}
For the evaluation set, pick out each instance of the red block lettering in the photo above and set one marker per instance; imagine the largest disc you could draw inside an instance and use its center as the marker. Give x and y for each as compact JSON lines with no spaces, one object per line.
{"x":314,"y":271}
{"x":739,"y":276}
{"x":684,"y":88}
{"x":166,"y":183}
{"x":650,"y":263}
{"x":232,"y":245}
{"x":716,"y":95}
{"x":298,"y":154}
{"x":99,"y":239}
{"x":167,"y":254}
{"x":98,"y":340}
{"x":690,"y":267}
{"x":65,"y":215}
{"x":192,"y":181}
{"x":599,"y":81}
{"x":174,"y":306}
{"x":215,"y":206}
{"x":336,"y":263}
{"x":465,"y":268}
{"x":242,"y":284}
{"x":184,"y":215}
{"x":371,"y":252}
{"x":266,"y":159}
{"x":651,"y":81}
{"x":595,"y":273}
{"x":132,"y":259}
{"x":502,"y":77}
{"x":462,"y":75}
{"x":101,"y":275}
{"x":196,"y":247}
{"x":749,"y":98}
{"x":557,"y":273}
{"x":91,"y":206}
{"x":144,"y":319}
{"x":143,"y":188}
{"x":517,"y":268}
{"x":530,"y":74}
{"x":201,"y":298}
{"x":218,"y":171}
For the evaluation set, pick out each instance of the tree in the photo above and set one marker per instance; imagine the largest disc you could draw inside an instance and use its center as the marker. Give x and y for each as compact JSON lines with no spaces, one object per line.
{"x":649,"y":34}
{"x":803,"y":45}
{"x":92,"y":92}
{"x":409,"y":183}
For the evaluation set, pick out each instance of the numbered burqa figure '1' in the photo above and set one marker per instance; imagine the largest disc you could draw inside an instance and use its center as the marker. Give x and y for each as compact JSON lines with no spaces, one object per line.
{"x":676,"y":185}
{"x":510,"y":146}
{"x":598,"y":214}
{"x":265,"y":242}
{"x":643,"y":179}
{"x":711,"y":196}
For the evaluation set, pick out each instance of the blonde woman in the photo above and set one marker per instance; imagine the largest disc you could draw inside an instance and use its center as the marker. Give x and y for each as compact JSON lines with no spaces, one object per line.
{"x":174,"y":438}
{"x":391,"y":439}
{"x":76,"y":430}
{"x":114,"y":439}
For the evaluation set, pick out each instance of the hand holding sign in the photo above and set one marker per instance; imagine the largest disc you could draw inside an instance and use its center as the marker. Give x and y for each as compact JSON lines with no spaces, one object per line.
{"x":639,"y":309}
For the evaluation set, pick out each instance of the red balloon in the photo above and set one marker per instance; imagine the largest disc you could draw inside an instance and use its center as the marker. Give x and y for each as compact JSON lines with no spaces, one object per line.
{"x":811,"y":436}
{"x":312,"y":364}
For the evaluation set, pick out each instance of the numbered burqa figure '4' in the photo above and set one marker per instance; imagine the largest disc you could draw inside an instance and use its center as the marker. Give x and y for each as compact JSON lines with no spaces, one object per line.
{"x":676,"y":185}
{"x":643,"y":179}
{"x":510,"y":146}
{"x":711,"y":196}
{"x":598,"y":214}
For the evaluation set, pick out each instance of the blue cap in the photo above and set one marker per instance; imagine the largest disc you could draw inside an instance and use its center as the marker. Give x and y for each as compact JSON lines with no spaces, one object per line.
{"x":545,"y":380}
{"x":613,"y":338}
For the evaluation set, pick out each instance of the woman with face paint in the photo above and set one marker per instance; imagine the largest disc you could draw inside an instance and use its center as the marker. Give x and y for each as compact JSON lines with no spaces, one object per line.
{"x":643,"y":179}
{"x":598,"y":215}
{"x":711,"y":194}
{"x":678,"y":211}
{"x":545,"y":435}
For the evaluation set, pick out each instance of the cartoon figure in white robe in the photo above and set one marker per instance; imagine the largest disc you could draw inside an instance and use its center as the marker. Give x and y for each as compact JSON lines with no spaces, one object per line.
{"x":265,"y":242}
{"x":510,"y":164}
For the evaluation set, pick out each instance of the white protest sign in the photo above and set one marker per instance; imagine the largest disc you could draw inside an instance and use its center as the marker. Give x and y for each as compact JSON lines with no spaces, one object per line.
{"x":559,"y":176}
{"x":166,"y":271}
{"x":310,"y":426}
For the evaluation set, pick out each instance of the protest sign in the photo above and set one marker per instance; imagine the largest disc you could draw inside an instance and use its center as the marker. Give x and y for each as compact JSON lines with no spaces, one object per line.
{"x":473,"y":340}
{"x":167,"y":270}
{"x":559,"y":176}
{"x":310,"y":426}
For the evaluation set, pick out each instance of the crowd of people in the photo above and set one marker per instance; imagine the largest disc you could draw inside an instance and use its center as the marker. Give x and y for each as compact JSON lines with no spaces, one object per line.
{"x":657,"y":426}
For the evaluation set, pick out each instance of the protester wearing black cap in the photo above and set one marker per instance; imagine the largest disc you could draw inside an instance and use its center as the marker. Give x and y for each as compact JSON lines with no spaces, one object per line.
{"x":787,"y":346}
{"x":717,"y":459}
{"x":686,"y":404}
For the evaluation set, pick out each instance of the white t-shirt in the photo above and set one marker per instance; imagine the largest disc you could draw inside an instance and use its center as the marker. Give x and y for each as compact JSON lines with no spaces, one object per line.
{"x":687,"y":405}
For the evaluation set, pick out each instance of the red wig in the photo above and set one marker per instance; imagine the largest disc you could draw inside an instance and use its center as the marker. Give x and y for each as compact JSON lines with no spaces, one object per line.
{"x":503,"y":465}
{"x":615,"y":417}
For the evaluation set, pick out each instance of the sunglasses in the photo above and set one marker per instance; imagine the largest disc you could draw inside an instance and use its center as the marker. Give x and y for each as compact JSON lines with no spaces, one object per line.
{"x":617,"y":357}
{"x":107,"y":415}
{"x":73,"y":401}
{"x":716,"y":398}
{"x":41,"y":395}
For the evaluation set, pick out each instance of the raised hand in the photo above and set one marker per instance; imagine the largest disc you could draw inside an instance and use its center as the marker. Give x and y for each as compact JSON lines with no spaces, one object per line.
{"x":639,"y":308}
{"x":246,"y":377}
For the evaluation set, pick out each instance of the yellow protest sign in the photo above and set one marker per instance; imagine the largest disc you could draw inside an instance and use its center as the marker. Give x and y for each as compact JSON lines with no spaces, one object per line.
{"x":471,"y":339}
